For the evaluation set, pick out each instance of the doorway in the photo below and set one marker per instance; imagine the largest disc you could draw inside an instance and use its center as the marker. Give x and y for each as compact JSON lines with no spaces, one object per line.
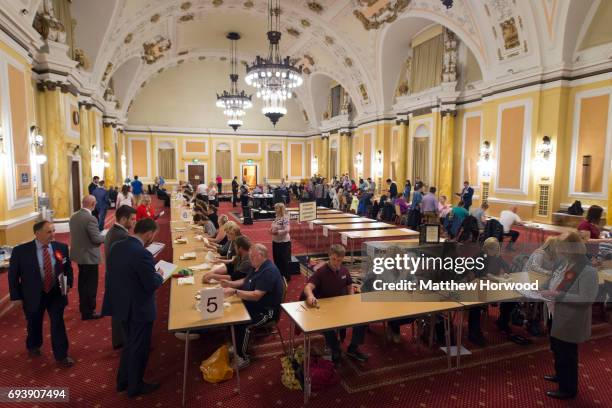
{"x":75,"y":176}
{"x":196,"y":174}
{"x":249,"y":173}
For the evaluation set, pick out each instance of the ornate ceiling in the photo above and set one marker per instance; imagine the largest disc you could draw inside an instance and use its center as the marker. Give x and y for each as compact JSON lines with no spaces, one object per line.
{"x":361,"y":44}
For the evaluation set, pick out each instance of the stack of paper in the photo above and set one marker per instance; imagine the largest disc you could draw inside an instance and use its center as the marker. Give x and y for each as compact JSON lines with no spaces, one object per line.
{"x":186,"y":281}
{"x":188,"y":255}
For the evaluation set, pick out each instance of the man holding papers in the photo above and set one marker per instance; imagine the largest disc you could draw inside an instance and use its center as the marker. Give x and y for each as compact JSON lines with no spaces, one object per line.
{"x":131,"y":284}
{"x":39,"y":277}
{"x":125,"y":219}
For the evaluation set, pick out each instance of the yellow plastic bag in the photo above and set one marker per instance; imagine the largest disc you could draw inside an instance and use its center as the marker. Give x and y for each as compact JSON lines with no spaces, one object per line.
{"x":216,"y":368}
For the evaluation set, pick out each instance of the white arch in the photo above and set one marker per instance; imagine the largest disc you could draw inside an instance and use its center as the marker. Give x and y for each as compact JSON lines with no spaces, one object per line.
{"x":422,"y":131}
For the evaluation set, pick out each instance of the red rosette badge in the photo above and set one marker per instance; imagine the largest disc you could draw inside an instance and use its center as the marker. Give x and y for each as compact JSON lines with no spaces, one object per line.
{"x":59,"y":256}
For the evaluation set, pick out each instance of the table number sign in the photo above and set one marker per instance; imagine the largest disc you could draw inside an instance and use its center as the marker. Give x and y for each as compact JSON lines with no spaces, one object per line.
{"x":210,"y":304}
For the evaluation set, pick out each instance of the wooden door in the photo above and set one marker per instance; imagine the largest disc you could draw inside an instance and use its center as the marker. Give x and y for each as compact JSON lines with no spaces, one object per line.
{"x":196,"y":174}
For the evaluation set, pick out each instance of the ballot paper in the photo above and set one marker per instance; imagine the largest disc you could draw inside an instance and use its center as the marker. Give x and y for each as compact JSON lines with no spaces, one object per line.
{"x":188,"y":255}
{"x":181,"y":240}
{"x":189,"y":280}
{"x":166,"y":269}
{"x":104,"y":232}
{"x":155,"y":248}
{"x":180,"y":229}
{"x":63,"y":282}
{"x":210,"y":256}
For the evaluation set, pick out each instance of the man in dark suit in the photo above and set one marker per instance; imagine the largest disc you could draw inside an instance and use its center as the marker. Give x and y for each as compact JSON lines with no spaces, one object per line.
{"x":85,"y":241}
{"x":130,"y":297}
{"x":235,"y":191}
{"x":466,"y":195}
{"x":37,"y":273}
{"x":125,"y":219}
{"x":102,"y":203}
{"x":92,"y":186}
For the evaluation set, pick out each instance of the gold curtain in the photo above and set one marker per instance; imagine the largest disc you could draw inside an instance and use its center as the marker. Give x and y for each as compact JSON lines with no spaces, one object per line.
{"x":275,"y":165}
{"x":427,"y":64}
{"x":167,"y":165}
{"x":64,"y":15}
{"x":224,"y":164}
{"x":420,"y":157}
{"x":333,"y":162}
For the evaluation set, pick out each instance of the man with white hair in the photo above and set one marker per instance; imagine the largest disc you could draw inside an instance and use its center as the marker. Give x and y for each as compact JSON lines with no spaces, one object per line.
{"x":262,"y":292}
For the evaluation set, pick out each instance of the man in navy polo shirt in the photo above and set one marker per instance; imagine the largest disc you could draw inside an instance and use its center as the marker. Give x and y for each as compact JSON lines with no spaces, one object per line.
{"x":333,"y":279}
{"x":262,"y":292}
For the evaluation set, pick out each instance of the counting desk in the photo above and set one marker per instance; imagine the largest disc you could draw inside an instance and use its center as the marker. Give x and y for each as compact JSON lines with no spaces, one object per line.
{"x":341,"y":312}
{"x":352,"y":236}
{"x":328,"y":230}
{"x":182,"y":314}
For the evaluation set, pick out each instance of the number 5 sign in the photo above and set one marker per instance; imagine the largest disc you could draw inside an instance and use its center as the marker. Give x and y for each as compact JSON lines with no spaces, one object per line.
{"x":210,"y":305}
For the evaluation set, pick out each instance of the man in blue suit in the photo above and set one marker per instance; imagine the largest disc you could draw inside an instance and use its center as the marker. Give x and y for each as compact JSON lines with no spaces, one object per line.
{"x":466,"y":195}
{"x":131,"y":283}
{"x":40,"y":275}
{"x":102,"y":203}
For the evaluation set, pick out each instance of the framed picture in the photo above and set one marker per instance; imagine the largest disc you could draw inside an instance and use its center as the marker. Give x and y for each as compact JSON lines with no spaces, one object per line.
{"x":24,"y":177}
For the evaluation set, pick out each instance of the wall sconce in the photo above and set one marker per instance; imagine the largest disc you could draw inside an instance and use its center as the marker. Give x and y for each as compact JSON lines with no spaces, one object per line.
{"x":379,"y":163}
{"x":315,"y":165}
{"x":359,"y":164}
{"x":485,"y":164}
{"x":542,"y":162}
{"x":544,"y":148}
{"x":36,"y":145}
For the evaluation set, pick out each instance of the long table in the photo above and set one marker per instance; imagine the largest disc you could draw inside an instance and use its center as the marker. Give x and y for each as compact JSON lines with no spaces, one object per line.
{"x":328,"y":230}
{"x":182,"y":314}
{"x":352,"y":236}
{"x":341,"y":312}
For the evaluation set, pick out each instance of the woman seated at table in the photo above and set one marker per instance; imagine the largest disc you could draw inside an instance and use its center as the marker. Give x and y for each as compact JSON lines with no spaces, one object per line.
{"x":232,"y":231}
{"x":212,"y":193}
{"x":240,"y":266}
{"x":145,"y":209}
{"x":212,"y":214}
{"x":203,"y":221}
{"x":213,"y":244}
{"x":589,"y":227}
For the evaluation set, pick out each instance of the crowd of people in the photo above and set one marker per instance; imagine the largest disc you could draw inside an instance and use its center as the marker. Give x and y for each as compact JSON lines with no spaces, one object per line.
{"x":41,"y":275}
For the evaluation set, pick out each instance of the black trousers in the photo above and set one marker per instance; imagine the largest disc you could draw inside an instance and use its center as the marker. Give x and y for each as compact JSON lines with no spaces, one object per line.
{"x":243,"y":331}
{"x":53,"y":304}
{"x":118,"y":335}
{"x":134,"y":355}
{"x":281,"y":253}
{"x":512,"y":234}
{"x":88,"y":289}
{"x":505,"y":314}
{"x":566,"y":364}
{"x":219,"y":185}
{"x":474,"y":328}
{"x":234,"y":198}
{"x":331,"y":339}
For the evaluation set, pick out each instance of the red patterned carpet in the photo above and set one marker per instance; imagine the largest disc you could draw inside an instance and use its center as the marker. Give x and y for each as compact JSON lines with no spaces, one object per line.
{"x":501,"y":374}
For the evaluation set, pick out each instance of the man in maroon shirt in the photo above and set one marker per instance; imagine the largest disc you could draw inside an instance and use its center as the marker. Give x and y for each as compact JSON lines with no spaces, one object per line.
{"x":333,"y":279}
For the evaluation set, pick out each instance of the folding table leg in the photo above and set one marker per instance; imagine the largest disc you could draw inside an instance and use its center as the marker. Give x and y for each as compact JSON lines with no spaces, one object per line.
{"x":235,"y":359}
{"x":185,"y":366}
{"x":306,"y":368}
{"x":459,"y":335}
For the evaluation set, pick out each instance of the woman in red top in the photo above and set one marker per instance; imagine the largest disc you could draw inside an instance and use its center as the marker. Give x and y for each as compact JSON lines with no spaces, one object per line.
{"x":145,"y":209}
{"x":589,"y":228}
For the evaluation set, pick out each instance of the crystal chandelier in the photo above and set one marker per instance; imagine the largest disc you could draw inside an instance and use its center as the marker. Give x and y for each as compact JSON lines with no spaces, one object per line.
{"x":274,"y":77}
{"x":234,"y":102}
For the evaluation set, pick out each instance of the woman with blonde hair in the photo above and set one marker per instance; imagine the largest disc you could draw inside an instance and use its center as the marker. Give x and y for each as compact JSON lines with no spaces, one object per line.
{"x":212,"y":193}
{"x":220,"y":239}
{"x":281,"y":241}
{"x":145,"y":209}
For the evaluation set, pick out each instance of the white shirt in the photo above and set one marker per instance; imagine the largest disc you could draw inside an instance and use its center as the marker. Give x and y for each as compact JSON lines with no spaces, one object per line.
{"x":124,"y":200}
{"x":507,"y":218}
{"x":212,"y":193}
{"x":202,"y":189}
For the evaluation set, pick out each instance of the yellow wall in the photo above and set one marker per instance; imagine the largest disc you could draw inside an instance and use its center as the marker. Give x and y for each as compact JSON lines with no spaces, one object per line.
{"x":242,"y":150}
{"x":21,"y":110}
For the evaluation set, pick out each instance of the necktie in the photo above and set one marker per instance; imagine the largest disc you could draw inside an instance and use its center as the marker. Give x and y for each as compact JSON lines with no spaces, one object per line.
{"x":48,"y":269}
